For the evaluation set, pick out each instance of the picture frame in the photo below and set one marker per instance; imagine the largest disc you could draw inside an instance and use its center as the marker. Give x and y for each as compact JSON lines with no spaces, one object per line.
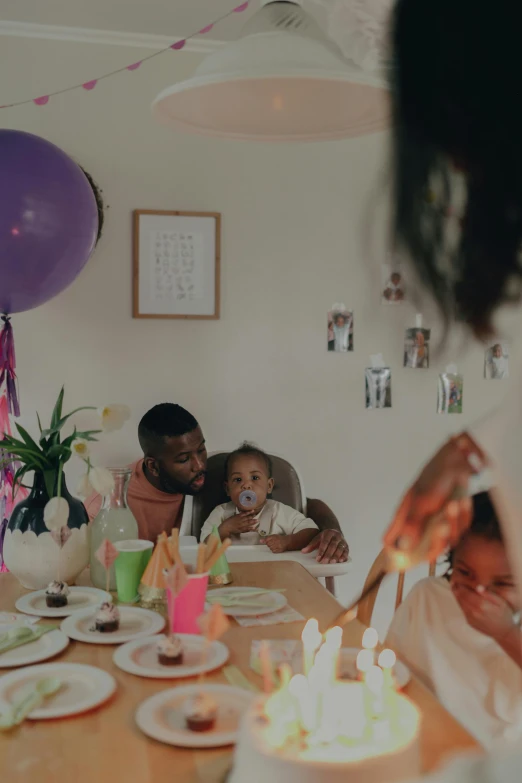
{"x":176,"y":264}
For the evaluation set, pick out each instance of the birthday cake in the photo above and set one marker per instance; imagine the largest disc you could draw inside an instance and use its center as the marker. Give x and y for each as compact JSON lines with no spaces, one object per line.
{"x":316,"y":728}
{"x":392,"y":757}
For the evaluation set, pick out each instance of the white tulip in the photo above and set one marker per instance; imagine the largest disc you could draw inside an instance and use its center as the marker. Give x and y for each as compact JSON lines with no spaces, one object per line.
{"x":114,"y":417}
{"x":101,"y":480}
{"x":84,"y":488}
{"x":81,"y":448}
{"x":56,"y":513}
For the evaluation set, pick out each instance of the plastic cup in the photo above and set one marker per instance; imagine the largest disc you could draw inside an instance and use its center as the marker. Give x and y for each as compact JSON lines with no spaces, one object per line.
{"x":129,"y":566}
{"x":188,"y":605}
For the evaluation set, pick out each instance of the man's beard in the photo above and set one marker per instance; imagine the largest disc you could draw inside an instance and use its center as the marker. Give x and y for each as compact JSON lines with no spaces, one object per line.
{"x":173,"y":487}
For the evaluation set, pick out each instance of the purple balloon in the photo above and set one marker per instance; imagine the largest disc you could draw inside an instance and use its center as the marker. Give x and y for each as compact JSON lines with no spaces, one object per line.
{"x":48,"y":221}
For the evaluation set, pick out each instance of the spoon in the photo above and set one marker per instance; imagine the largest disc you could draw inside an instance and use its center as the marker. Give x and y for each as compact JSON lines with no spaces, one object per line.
{"x":32,"y":698}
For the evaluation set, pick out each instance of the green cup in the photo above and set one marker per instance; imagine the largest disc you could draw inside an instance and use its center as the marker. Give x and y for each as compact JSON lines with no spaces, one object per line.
{"x":129,"y":567}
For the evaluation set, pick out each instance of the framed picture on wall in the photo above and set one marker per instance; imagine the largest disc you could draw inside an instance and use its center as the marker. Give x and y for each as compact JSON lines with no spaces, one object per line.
{"x":176,"y":264}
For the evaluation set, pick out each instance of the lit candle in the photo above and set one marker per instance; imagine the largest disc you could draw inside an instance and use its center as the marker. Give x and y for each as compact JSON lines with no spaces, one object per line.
{"x":374,"y":679}
{"x":370,"y":640}
{"x":387,"y":660}
{"x":266,"y":666}
{"x":365,"y":660}
{"x":311,"y":639}
{"x":333,"y":639}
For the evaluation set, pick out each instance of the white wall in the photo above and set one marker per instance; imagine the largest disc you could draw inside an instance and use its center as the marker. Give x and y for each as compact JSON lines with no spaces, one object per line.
{"x":296,"y":223}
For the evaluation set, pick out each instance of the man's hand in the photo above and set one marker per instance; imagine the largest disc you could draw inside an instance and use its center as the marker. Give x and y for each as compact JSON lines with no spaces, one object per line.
{"x":485,"y":612}
{"x":239,"y":523}
{"x":330,"y":545}
{"x":276,"y":544}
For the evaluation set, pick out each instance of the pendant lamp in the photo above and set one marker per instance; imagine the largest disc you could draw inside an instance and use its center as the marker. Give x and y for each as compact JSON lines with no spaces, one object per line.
{"x":281,"y":80}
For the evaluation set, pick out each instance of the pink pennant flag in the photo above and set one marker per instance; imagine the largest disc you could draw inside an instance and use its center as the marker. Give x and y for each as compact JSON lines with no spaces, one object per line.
{"x":90,"y":85}
{"x":61,"y":536}
{"x":206,"y":29}
{"x":242,"y":7}
{"x":176,"y":579}
{"x":42,"y":100}
{"x":213,"y":623}
{"x":134,"y":66}
{"x":107,"y":553}
{"x":178,"y":45}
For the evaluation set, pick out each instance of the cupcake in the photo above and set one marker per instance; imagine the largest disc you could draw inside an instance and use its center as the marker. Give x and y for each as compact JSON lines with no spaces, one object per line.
{"x":200,"y":712}
{"x":56,"y":594}
{"x":107,"y":618}
{"x":170,"y":650}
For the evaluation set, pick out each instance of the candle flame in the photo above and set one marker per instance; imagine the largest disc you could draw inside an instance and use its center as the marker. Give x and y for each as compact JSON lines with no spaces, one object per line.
{"x":387,"y":659}
{"x":370,"y":639}
{"x":333,"y":638}
{"x":364,"y":660}
{"x":311,"y":637}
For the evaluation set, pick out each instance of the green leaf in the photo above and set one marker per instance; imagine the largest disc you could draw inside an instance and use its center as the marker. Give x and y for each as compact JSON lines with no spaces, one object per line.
{"x":62,"y":421}
{"x":57,"y":412}
{"x":39,"y":422}
{"x":50,"y":481}
{"x":27,"y":438}
{"x":18,"y":478}
{"x":57,"y":451}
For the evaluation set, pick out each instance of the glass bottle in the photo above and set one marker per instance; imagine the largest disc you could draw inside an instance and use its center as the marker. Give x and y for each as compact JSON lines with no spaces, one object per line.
{"x":114,"y":521}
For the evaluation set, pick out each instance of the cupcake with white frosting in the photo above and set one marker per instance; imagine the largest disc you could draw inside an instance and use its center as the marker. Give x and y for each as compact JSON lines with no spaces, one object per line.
{"x":200,"y":712}
{"x":170,"y":650}
{"x":107,"y":618}
{"x":56,"y":594}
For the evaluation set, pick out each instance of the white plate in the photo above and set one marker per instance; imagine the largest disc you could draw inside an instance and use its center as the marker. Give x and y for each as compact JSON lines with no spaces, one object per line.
{"x":43,"y":648}
{"x":161,"y":717}
{"x":278,"y":600}
{"x":83,"y":687}
{"x":79,"y":598}
{"x":134,"y":623}
{"x":348,"y":667}
{"x":140,"y":657}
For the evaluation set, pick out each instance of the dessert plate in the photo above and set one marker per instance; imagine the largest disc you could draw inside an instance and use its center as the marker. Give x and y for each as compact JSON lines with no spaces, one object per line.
{"x":45,"y":647}
{"x":82,"y":688}
{"x":140,"y":657}
{"x":161,"y":717}
{"x":78,"y":598}
{"x":134,"y":623}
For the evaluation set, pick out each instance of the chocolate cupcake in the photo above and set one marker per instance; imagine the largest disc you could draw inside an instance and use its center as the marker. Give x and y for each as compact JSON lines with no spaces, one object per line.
{"x":170,"y":651}
{"x":56,"y":594}
{"x":200,"y":712}
{"x":107,"y":618}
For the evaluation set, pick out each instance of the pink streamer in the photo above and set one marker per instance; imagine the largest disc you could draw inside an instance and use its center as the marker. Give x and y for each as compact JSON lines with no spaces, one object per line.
{"x":91,"y":84}
{"x":7,"y":472}
{"x":8,"y":366}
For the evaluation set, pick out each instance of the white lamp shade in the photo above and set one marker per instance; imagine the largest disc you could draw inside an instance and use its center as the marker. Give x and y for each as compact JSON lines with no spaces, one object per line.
{"x":277,"y":82}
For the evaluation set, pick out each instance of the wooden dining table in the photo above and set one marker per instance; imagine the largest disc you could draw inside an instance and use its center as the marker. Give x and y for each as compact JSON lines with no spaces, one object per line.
{"x":106,"y":746}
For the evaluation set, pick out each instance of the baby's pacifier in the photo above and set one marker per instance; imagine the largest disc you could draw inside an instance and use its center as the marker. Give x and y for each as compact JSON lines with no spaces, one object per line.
{"x":248,"y":498}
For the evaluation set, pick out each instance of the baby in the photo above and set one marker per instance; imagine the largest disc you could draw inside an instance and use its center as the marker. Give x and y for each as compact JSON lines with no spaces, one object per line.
{"x":498,"y":363}
{"x":250,"y":518}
